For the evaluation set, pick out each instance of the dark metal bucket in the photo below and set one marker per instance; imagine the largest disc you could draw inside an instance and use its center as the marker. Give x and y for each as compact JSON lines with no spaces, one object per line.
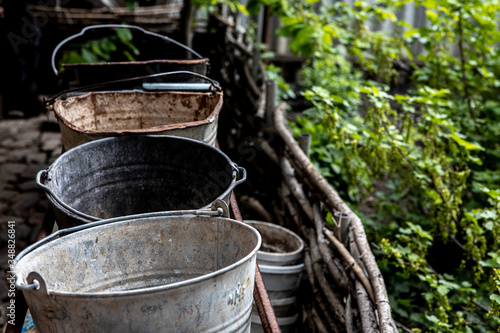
{"x":161,"y":57}
{"x":131,"y":175}
{"x":151,"y":273}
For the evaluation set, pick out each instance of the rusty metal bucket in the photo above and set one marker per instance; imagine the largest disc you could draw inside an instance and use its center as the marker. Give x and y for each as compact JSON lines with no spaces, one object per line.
{"x":157,"y":56}
{"x":151,"y":273}
{"x":131,"y":175}
{"x":93,"y":115}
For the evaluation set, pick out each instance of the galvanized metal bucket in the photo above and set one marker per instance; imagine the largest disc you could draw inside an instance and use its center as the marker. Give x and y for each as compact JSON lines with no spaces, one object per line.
{"x":93,"y":115}
{"x":286,"y":324}
{"x":152,"y":273}
{"x":280,"y":246}
{"x":157,"y":56}
{"x":131,"y":175}
{"x":281,"y":281}
{"x":280,"y":260}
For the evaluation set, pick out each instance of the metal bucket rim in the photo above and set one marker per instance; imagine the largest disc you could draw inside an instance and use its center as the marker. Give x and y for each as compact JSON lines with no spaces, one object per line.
{"x":268,"y":269}
{"x":55,"y":199}
{"x":139,"y":63}
{"x":210,"y":119}
{"x":178,"y":138}
{"x":282,"y":321}
{"x":155,"y":289}
{"x":271,"y":256}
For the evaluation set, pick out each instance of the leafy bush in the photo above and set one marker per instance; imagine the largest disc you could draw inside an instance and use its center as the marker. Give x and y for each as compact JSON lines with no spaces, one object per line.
{"x":115,"y":47}
{"x":422,"y":167}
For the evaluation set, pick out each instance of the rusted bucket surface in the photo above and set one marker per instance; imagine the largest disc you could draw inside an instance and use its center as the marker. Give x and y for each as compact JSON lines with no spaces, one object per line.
{"x":131,"y":175}
{"x":95,"y":115}
{"x":150,"y":274}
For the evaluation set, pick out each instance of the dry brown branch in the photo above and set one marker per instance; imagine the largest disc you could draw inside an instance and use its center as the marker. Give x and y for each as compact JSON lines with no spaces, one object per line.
{"x":351,"y":262}
{"x":335,"y":203}
{"x":296,"y":188}
{"x":320,"y":326}
{"x":255,"y":205}
{"x":285,"y":193}
{"x":331,"y":297}
{"x":334,"y":267}
{"x":268,"y":150}
{"x":315,"y":289}
{"x":280,"y":215}
{"x":368,"y":319}
{"x":261,"y":109}
{"x":238,"y":45}
{"x":349,"y":325}
{"x":366,"y":310}
{"x":251,"y":81}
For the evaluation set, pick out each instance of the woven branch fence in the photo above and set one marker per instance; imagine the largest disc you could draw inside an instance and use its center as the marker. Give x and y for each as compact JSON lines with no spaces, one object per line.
{"x":342,"y":289}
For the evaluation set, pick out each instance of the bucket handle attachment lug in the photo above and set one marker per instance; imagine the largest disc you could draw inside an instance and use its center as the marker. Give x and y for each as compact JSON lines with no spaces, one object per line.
{"x":107,"y":26}
{"x":33,"y":284}
{"x":50,"y":307}
{"x":221,"y":207}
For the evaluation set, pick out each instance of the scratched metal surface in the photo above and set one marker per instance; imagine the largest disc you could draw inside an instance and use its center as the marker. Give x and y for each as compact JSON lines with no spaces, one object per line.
{"x":162,"y":274}
{"x":137,"y":174}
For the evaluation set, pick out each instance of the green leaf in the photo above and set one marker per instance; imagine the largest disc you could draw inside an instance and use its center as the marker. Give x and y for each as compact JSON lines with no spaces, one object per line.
{"x":326,"y":38}
{"x":432,"y":16}
{"x":242,"y":9}
{"x":107,"y":45}
{"x":130,"y":4}
{"x":467,"y":145}
{"x":72,"y":57}
{"x":430,"y":4}
{"x":97,"y":50}
{"x":253,"y":7}
{"x":411,"y":33}
{"x":489,"y":225}
{"x":433,"y":319}
{"x":128,"y":55}
{"x":301,"y":43}
{"x":495,"y":298}
{"x":124,"y":34}
{"x":443,"y":290}
{"x":366,"y":90}
{"x":89,"y":56}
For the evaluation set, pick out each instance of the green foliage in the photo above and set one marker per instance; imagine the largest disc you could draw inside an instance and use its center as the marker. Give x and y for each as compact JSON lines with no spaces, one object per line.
{"x":102,"y":50}
{"x":427,"y":159}
{"x":284,"y":90}
{"x":211,"y":5}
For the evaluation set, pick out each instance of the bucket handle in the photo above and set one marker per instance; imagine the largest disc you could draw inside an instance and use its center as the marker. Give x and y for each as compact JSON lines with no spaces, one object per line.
{"x":237,"y":171}
{"x":99,"y":26}
{"x":243,"y":172}
{"x":215,"y":86}
{"x":35,"y":284}
{"x":42,"y":174}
